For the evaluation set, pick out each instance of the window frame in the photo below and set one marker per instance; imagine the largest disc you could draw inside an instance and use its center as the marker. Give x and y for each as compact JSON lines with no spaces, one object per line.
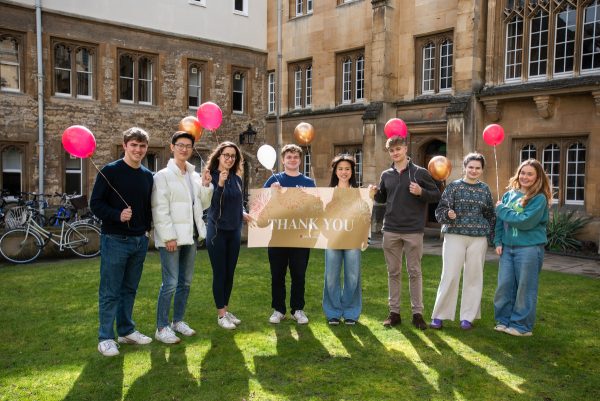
{"x":300,"y":8}
{"x":573,"y":63}
{"x":22,"y":149}
{"x":436,"y":42}
{"x":20,"y":66}
{"x":135,"y":80}
{"x":244,"y":10}
{"x":271,"y":92}
{"x":300,"y":84}
{"x":244,"y":74}
{"x":80,"y":172}
{"x":74,"y":48}
{"x":201,"y":66}
{"x":347,"y":88}
{"x":564,"y":143}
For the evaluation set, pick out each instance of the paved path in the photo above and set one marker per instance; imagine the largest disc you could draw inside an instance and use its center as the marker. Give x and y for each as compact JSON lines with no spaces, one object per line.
{"x":552,"y":262}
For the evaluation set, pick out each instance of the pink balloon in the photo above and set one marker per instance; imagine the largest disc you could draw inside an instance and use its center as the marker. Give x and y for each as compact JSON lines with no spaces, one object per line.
{"x":210,"y":116}
{"x":493,"y":134}
{"x":79,"y":141}
{"x":395,"y":127}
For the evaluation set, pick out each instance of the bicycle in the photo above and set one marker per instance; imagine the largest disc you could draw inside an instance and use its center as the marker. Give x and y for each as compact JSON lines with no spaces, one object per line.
{"x":25,"y":244}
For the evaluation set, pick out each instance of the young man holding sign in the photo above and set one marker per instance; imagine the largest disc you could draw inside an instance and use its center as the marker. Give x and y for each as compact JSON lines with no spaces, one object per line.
{"x":295,"y":258}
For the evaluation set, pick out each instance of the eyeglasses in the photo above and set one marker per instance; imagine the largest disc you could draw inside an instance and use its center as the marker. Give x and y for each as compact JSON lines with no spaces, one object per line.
{"x":228,"y":156}
{"x":182,"y":146}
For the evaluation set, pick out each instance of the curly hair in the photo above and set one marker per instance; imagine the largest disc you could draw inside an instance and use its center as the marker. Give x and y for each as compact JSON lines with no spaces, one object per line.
{"x":213,"y":159}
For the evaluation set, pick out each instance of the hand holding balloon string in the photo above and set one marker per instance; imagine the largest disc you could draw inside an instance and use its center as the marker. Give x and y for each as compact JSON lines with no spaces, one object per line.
{"x":79,"y":141}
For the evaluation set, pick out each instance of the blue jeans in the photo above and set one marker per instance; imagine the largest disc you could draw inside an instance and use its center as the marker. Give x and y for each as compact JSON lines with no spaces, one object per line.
{"x":121,"y":264}
{"x":516,"y":295}
{"x":223,"y":250}
{"x":177,"y":274}
{"x":347,"y":302}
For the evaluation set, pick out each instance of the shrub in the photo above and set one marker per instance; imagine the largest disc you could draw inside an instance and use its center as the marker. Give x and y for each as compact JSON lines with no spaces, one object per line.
{"x":561,"y":231}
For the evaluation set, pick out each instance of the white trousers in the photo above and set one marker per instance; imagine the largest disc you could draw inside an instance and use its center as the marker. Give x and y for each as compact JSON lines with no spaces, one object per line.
{"x":461,"y":252}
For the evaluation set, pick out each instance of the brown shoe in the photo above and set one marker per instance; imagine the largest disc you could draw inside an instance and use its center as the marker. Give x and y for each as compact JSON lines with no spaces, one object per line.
{"x":393,"y":319}
{"x":418,"y":321}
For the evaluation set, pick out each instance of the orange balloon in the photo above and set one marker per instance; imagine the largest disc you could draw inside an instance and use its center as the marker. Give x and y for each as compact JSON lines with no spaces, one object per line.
{"x":191,"y":125}
{"x":304,"y":133}
{"x":440,"y":168}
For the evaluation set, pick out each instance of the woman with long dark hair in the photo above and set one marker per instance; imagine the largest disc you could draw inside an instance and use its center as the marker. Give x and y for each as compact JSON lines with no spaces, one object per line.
{"x":342,"y":302}
{"x":521,"y":219}
{"x":225,"y":217}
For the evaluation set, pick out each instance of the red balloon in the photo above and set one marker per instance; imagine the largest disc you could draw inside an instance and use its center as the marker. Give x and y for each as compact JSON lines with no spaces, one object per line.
{"x":493,"y":134}
{"x":79,"y":141}
{"x":395,"y":127}
{"x":210,"y":116}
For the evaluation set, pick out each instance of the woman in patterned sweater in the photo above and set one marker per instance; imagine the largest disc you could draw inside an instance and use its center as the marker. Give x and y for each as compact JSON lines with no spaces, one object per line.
{"x":466,"y":211}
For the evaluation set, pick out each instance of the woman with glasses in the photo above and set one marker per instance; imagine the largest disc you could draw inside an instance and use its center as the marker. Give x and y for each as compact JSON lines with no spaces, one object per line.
{"x":225,"y":217}
{"x":179,"y":197}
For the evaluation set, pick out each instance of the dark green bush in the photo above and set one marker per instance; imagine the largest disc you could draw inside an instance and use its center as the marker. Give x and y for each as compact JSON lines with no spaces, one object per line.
{"x":562,"y":228}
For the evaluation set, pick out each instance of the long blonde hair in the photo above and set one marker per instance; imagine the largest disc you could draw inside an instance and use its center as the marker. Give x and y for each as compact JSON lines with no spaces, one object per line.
{"x":541,"y":185}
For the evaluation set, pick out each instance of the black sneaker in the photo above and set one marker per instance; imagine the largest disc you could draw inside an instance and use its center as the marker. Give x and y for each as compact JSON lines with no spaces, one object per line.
{"x":333,"y":321}
{"x":393,"y":319}
{"x":349,"y":322}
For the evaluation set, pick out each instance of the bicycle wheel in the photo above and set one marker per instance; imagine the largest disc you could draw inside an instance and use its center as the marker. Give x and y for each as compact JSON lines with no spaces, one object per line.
{"x":20,"y":246}
{"x":83,"y":239}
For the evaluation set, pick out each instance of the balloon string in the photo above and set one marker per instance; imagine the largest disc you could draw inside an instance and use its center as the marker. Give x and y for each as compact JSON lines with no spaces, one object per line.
{"x":108,"y":182}
{"x":200,"y":156}
{"x":497,"y":180}
{"x":110,"y":185}
{"x":312,"y":172}
{"x":274,"y":176}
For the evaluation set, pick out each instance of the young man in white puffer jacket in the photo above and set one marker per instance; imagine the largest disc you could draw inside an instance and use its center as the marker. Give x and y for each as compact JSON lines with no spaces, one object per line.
{"x":179,"y":197}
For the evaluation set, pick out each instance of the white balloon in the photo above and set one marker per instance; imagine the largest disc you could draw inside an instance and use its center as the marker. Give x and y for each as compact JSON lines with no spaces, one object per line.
{"x":266,"y":156}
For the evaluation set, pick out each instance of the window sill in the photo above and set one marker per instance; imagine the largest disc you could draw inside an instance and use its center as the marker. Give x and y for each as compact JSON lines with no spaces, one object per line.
{"x":201,"y":3}
{"x":240,"y":13}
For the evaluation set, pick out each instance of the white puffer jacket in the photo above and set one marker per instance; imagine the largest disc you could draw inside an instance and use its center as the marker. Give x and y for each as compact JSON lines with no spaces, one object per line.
{"x":172,"y":205}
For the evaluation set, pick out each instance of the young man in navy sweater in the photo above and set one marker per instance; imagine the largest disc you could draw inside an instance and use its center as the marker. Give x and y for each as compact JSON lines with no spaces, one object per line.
{"x":295,"y":258}
{"x":121,"y":199}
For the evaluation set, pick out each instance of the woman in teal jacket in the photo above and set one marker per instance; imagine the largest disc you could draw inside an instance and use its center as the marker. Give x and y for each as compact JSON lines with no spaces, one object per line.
{"x":521,"y":218}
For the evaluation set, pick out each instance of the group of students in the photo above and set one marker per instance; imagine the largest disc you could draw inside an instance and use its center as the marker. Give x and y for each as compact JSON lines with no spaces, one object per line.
{"x":128,"y":198}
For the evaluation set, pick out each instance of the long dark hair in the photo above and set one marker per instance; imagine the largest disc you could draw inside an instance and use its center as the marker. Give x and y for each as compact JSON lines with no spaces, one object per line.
{"x":334,"y":163}
{"x":213,"y":159}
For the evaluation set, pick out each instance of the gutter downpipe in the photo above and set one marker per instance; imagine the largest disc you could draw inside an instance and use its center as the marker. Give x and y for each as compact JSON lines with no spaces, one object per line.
{"x":40,"y":94}
{"x":278,"y":82}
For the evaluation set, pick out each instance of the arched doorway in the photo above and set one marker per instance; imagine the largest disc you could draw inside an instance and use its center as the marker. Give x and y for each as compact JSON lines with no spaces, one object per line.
{"x":432,"y":149}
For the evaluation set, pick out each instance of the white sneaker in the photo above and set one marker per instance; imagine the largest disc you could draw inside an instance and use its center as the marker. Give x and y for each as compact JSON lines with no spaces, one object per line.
{"x":501,"y":328}
{"x":108,"y":348}
{"x":300,"y":317}
{"x":135,"y":338}
{"x":183,"y":328}
{"x":166,"y":335}
{"x":514,"y":332}
{"x":232,"y":318}
{"x":276,"y":317}
{"x":225,"y":323}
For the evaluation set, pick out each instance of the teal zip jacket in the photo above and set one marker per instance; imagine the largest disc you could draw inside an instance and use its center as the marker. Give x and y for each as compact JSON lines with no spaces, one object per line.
{"x":518,"y":226}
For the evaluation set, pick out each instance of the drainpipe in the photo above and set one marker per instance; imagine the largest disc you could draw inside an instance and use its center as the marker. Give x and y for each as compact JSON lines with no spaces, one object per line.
{"x":278,"y":81}
{"x":40,"y":90}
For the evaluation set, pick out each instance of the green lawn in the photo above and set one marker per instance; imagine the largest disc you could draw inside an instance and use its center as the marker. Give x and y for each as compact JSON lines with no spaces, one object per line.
{"x":49,"y":328}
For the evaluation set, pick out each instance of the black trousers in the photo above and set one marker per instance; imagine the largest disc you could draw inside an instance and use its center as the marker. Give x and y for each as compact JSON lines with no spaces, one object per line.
{"x":297,"y":260}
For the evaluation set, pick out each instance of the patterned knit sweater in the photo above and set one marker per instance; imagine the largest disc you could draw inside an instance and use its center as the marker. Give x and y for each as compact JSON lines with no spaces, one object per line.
{"x":474,"y":208}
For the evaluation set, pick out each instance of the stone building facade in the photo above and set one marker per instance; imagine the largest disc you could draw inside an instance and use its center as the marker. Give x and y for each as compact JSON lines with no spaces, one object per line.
{"x":348,"y":66}
{"x":108,"y":77}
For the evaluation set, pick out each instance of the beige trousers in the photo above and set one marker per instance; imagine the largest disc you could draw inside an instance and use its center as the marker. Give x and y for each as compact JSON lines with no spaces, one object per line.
{"x":394,"y":245}
{"x":467,"y":254}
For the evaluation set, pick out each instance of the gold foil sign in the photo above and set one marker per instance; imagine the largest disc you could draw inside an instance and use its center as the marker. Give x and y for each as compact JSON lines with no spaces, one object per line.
{"x":334,"y":218}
